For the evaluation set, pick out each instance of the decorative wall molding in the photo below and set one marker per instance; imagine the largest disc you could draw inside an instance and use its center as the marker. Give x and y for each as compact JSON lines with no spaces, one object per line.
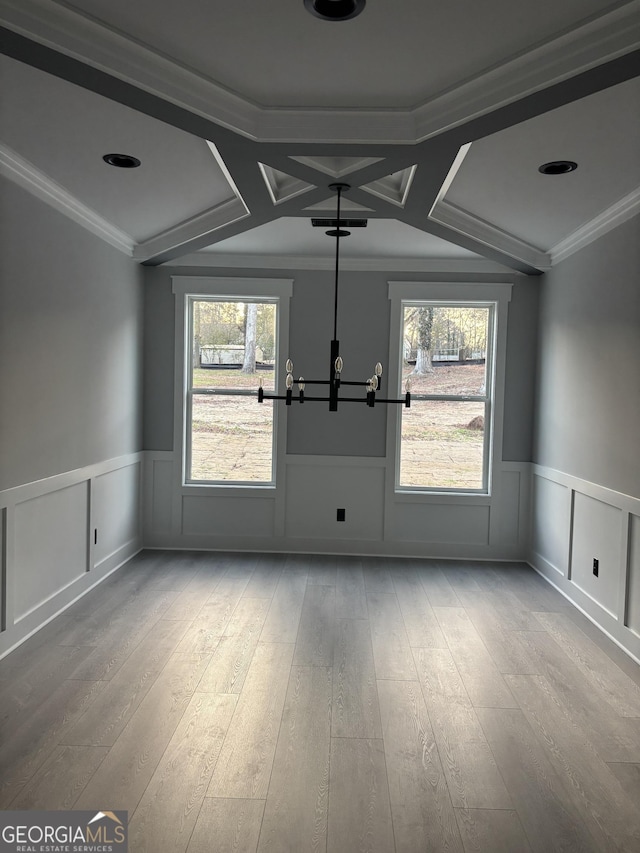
{"x":216,"y":260}
{"x":196,"y":227}
{"x":587,"y":520}
{"x":601,"y":39}
{"x":624,"y":209}
{"x":20,"y":171}
{"x":490,"y":235}
{"x":67,"y":509}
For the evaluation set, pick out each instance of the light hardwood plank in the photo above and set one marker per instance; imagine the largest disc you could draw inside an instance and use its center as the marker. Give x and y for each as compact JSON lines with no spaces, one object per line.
{"x":194,"y":596}
{"x":232,"y":825}
{"x":507,"y":652}
{"x":450,"y":709}
{"x":351,"y":599}
{"x":359,"y":808}
{"x":472,"y":775}
{"x":240,"y":566}
{"x":283,"y":619}
{"x":244,"y":766}
{"x":61,"y":779}
{"x":548,"y":818}
{"x":115,"y":644}
{"x":355,"y":710}
{"x":612,"y":651}
{"x":615,"y":686}
{"x":33,"y":742}
{"x":316,"y":634}
{"x":482,"y":681}
{"x":125,"y":772}
{"x":265,"y":577}
{"x":204,"y":634}
{"x":295,"y":815}
{"x":589,"y":784}
{"x":232,"y":656}
{"x":434,"y":582}
{"x":614,"y":737}
{"x":535,"y":594}
{"x":391,"y":650}
{"x":167,"y":812}
{"x":423,"y":817}
{"x":420,"y":621}
{"x":323,"y":570}
{"x":377,"y":577}
{"x":492,"y":831}
{"x":28,"y":680}
{"x":628,"y":775}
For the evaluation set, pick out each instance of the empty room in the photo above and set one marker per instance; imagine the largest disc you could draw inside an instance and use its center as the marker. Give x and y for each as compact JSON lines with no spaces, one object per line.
{"x":319,"y":417}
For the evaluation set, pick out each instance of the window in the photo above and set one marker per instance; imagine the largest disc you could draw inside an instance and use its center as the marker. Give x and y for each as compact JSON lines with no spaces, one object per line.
{"x":231,"y":341}
{"x":444,"y":435}
{"x":447,"y":347}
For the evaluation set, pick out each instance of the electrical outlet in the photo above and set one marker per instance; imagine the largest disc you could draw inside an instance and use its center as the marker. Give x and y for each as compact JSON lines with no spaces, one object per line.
{"x":95,"y":536}
{"x":341,"y":516}
{"x":596,"y":566}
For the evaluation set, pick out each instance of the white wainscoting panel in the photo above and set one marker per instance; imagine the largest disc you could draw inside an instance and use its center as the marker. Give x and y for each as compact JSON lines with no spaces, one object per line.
{"x":115,"y":503}
{"x":51,"y":546}
{"x":550,"y":522}
{"x":316,"y":491}
{"x":162,"y":496}
{"x":586,"y":520}
{"x":227,"y":516}
{"x":633,"y":570}
{"x":510,"y":508}
{"x":597,"y":533}
{"x":48,"y":558}
{"x":441,"y":523}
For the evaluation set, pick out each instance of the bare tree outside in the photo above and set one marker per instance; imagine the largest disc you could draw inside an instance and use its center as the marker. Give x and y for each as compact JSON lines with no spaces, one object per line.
{"x":250,"y":335}
{"x":424,"y":330}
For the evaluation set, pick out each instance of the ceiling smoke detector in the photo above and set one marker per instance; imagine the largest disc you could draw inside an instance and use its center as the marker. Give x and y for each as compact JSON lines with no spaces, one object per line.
{"x":558,"y":167}
{"x":335,"y":10}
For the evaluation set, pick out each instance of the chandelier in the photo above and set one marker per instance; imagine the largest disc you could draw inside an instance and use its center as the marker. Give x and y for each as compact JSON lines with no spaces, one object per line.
{"x":335,"y":382}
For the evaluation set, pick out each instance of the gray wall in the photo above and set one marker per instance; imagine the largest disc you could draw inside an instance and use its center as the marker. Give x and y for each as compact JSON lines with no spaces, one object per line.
{"x":588,"y":385}
{"x":70,"y":344}
{"x":363,"y":331}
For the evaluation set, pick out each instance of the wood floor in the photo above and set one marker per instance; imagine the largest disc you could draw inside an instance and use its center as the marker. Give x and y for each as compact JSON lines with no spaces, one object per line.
{"x":327,"y":704}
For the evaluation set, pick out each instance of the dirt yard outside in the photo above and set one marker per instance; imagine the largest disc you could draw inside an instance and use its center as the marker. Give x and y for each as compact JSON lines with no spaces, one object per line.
{"x":232,"y":435}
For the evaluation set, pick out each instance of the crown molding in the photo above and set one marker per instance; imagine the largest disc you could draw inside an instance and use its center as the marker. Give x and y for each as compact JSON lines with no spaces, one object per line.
{"x":452,"y":216}
{"x":204,"y":223}
{"x":624,"y":209}
{"x":93,"y":43}
{"x":601,"y":39}
{"x":296,"y":262}
{"x":21,"y":172}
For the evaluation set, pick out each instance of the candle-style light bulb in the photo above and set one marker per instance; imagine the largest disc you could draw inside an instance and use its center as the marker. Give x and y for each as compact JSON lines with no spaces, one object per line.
{"x":338,"y":364}
{"x":289,"y":382}
{"x":301,"y":383}
{"x":407,"y":386}
{"x":288,"y":366}
{"x":260,"y":382}
{"x":378,"y":369}
{"x":374,"y":383}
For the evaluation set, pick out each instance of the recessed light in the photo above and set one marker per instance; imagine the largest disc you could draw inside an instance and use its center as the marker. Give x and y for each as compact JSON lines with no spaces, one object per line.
{"x":335,"y":10}
{"x":558,"y":167}
{"x":121,"y":161}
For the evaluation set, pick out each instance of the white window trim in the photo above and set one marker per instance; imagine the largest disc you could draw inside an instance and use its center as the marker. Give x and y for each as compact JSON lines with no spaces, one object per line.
{"x":497,"y":293}
{"x":188,"y":288}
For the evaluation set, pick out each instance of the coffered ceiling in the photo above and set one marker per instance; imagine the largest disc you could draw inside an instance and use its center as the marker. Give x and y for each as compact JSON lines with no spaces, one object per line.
{"x":242,"y":114}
